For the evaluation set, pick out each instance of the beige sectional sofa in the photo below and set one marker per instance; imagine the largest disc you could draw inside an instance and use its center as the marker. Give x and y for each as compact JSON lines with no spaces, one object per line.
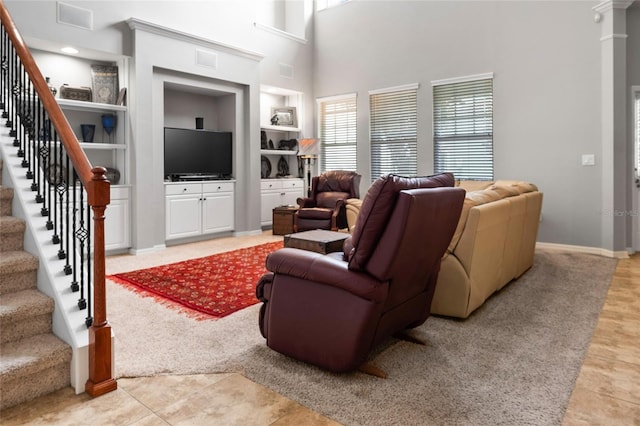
{"x":494,"y":244}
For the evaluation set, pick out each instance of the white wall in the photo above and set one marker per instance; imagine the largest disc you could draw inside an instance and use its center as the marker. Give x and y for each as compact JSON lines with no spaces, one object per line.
{"x":223,"y":22}
{"x":545,"y":57}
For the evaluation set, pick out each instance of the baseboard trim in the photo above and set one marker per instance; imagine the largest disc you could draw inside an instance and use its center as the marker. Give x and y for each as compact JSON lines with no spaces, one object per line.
{"x":583,"y":249}
{"x":147,"y":250}
{"x":248,"y":233}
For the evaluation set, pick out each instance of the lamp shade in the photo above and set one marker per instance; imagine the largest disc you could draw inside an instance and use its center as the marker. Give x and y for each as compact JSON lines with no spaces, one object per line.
{"x":308,"y":147}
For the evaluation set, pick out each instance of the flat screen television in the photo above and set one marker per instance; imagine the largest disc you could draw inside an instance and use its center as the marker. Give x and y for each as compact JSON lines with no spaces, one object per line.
{"x":190,"y":153}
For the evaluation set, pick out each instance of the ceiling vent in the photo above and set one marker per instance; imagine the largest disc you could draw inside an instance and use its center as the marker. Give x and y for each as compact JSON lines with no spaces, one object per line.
{"x":75,"y":16}
{"x":206,"y":59}
{"x":286,"y":71}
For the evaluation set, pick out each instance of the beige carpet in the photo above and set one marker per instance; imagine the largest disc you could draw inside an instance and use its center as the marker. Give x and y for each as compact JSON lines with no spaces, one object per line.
{"x":152,"y":339}
{"x":514,"y":361}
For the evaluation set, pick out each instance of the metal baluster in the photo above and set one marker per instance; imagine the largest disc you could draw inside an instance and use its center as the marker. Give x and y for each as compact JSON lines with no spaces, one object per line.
{"x":62,"y":254}
{"x":45,"y":154}
{"x":75,"y":286}
{"x":81,"y":235}
{"x":55,"y":238}
{"x":11,"y":105}
{"x":3,"y":65}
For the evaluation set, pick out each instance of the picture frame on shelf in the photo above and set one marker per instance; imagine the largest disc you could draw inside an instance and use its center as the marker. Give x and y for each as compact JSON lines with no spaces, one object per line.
{"x":104,"y":82}
{"x":122,"y":97}
{"x":284,"y":116}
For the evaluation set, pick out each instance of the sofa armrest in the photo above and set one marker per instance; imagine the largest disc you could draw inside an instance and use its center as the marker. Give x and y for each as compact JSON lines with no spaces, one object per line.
{"x":352,"y":208}
{"x":306,"y":202}
{"x":326,"y":269}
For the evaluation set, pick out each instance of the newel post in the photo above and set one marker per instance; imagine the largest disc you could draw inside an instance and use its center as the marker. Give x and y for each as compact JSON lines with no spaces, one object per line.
{"x":101,"y":378}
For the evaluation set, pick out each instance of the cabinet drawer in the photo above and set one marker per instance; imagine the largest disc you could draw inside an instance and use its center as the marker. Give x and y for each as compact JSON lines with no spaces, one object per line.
{"x":119,"y":193}
{"x":217,"y":187}
{"x":292,"y":183}
{"x":270,"y":184}
{"x":185,"y":188}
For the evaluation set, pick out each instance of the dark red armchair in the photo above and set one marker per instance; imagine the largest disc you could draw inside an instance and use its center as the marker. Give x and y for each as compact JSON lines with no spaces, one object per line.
{"x":324,"y":208}
{"x":331,"y":310}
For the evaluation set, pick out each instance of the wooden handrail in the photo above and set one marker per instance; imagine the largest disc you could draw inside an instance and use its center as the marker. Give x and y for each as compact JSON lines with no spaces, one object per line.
{"x":57,"y":117}
{"x":98,"y":194}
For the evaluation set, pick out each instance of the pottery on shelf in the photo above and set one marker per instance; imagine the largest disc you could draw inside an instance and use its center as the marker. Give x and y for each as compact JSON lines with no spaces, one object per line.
{"x":88,"y":130}
{"x":109,"y":122}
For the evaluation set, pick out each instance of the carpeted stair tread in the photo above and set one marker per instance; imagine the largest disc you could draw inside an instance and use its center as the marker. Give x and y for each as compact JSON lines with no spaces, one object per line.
{"x":17,"y":261}
{"x":11,"y":224}
{"x":11,"y":233}
{"x":24,"y":314}
{"x":31,"y":355}
{"x":33,"y":367}
{"x":6,"y":196}
{"x":18,"y":271}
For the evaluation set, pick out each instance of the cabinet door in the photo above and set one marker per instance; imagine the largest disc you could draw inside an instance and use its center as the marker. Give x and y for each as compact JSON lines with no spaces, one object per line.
{"x":218,"y":212}
{"x":116,"y":225}
{"x":269,"y":200}
{"x":183,"y":215}
{"x":290,"y":196}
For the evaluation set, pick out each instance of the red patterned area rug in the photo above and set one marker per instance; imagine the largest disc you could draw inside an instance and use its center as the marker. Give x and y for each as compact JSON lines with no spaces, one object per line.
{"x":213,"y":286}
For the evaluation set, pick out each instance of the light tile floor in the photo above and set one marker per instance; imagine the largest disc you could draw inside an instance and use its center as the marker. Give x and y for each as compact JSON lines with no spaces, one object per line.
{"x":607,"y":391}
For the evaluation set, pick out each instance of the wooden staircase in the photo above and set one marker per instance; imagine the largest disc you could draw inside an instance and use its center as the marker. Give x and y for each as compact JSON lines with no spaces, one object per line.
{"x":33,"y":362}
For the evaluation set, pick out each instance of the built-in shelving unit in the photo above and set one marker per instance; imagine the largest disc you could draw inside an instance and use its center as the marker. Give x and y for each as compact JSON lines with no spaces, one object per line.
{"x":270,"y":127}
{"x":275,"y":189}
{"x":110,"y":151}
{"x":106,"y":150}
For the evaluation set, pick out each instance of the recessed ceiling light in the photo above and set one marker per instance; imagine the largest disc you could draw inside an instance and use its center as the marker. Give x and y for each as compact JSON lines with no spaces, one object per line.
{"x":70,"y":50}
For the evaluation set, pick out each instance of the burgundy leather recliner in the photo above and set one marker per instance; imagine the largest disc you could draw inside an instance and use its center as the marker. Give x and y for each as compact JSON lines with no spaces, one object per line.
{"x":331,"y":310}
{"x":324,"y":208}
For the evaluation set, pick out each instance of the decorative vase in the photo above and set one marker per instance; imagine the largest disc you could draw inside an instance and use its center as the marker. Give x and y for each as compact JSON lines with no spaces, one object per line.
{"x":88,"y":130}
{"x":109,"y":122}
{"x":54,"y":91}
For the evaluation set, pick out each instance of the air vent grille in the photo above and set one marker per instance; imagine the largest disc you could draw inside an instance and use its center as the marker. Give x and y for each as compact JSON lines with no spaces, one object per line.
{"x":75,"y":16}
{"x":206,"y":59}
{"x":286,"y":71}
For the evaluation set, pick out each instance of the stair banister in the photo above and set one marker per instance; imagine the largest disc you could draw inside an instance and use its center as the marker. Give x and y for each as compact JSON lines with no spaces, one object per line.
{"x":97,"y":187}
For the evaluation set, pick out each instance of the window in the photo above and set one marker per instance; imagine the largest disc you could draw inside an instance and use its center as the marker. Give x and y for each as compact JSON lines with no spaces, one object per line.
{"x":463,"y":127}
{"x":285,"y":18}
{"x":394,"y":131}
{"x":337,"y":126}
{"x":325,"y":4}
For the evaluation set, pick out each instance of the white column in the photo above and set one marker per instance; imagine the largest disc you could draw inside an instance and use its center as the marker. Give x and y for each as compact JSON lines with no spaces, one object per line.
{"x":611,"y":16}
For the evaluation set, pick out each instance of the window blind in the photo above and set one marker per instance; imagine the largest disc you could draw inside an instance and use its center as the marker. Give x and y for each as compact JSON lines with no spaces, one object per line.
{"x":338,"y":133}
{"x":463,"y":129}
{"x":394,"y":132}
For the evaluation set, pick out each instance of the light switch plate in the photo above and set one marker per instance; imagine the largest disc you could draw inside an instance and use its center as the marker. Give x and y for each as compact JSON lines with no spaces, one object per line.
{"x":588,"y":159}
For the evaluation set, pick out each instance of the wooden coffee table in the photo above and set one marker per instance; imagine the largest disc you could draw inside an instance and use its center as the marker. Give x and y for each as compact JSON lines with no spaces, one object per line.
{"x":318,"y":240}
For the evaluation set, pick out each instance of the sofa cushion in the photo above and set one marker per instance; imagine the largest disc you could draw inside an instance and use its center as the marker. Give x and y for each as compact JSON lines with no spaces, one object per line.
{"x":505,"y":190}
{"x":329,"y":199}
{"x":471,"y":199}
{"x":338,"y":181}
{"x":493,"y":192}
{"x":376,"y":210}
{"x":519,"y":185}
{"x":315,"y":213}
{"x":474,"y":185}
